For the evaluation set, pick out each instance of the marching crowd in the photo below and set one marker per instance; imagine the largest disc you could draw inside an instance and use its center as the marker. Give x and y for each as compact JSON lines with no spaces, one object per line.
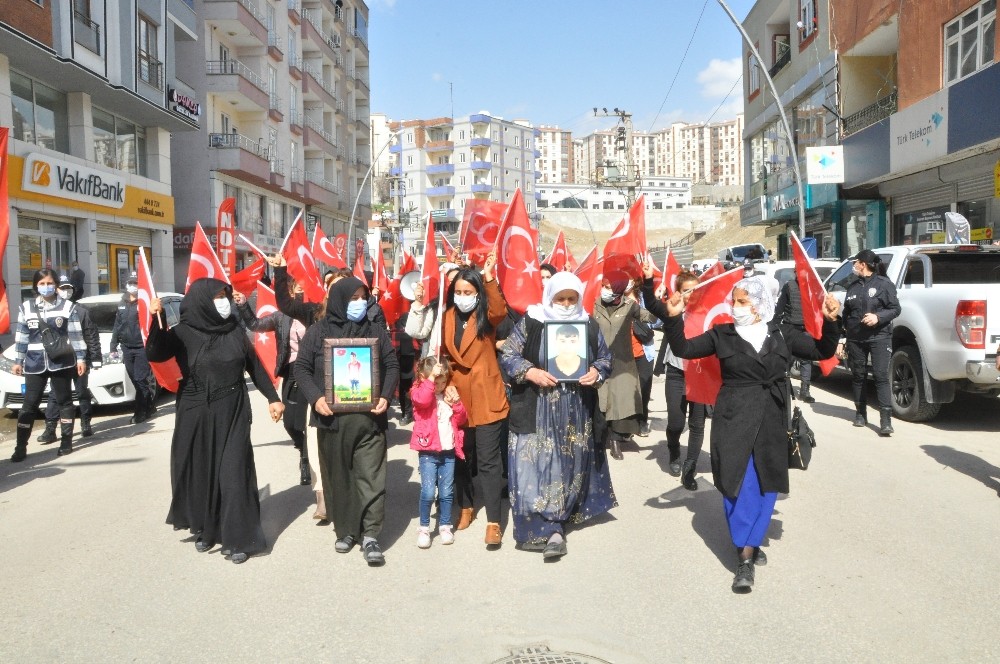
{"x":525,"y":407}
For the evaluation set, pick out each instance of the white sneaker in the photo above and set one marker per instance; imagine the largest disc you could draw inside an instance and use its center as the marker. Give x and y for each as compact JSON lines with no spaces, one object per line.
{"x":447,"y":536}
{"x":424,"y":538}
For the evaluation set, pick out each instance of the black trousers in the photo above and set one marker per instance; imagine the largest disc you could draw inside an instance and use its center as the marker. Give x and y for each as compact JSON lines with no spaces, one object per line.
{"x":679,"y":409}
{"x":34,"y":388}
{"x":645,"y":369}
{"x":405,"y":383}
{"x":137,"y":368}
{"x":480,"y":475}
{"x":880,"y":351}
{"x":81,"y":383}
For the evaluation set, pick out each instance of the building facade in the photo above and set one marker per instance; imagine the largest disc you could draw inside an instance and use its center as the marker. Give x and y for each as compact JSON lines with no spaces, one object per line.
{"x":285,"y":124}
{"x":555,"y":160}
{"x":662,"y":193}
{"x":92,"y":95}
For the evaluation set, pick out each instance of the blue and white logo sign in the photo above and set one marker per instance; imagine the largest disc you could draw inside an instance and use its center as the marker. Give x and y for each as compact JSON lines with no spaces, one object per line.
{"x":825,"y":165}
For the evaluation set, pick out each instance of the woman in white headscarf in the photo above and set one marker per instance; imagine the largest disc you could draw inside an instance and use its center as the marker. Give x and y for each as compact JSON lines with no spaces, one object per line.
{"x":749,"y":437}
{"x":556,"y":473}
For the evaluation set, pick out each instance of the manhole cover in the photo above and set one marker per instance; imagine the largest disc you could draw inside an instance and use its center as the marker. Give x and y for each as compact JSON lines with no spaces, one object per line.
{"x":542,"y":655}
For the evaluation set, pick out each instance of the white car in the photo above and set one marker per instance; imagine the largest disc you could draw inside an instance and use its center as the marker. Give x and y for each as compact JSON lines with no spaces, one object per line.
{"x":784,"y":271}
{"x":109,"y":384}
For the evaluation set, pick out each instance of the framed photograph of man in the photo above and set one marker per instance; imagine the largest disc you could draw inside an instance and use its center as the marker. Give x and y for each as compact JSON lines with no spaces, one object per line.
{"x":566,"y":350}
{"x":351,"y":372}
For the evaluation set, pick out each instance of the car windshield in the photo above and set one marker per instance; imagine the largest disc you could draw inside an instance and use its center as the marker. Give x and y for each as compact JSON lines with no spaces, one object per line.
{"x":741,"y":252}
{"x":103,"y":315}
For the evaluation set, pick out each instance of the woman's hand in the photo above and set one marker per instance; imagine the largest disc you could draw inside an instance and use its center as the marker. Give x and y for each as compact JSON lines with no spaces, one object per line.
{"x":831,"y":308}
{"x":871,"y":320}
{"x":155,"y":306}
{"x":661,"y":291}
{"x":322,"y":407}
{"x":841,"y":353}
{"x":17,"y":370}
{"x":647,"y":270}
{"x":451,"y":392}
{"x":381,"y":406}
{"x":491,"y":262}
{"x":438,"y":370}
{"x":418,"y":292}
{"x":675,"y":304}
{"x":239,"y":298}
{"x":276,"y":260}
{"x":81,"y":368}
{"x":540,"y":377}
{"x":591,"y":377}
{"x":276,"y":409}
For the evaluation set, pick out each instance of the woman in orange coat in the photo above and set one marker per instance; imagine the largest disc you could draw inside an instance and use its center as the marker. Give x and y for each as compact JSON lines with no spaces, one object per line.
{"x":474,"y":307}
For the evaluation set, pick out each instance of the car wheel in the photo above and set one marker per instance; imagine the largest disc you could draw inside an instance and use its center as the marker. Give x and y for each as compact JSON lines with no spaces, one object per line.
{"x":906,"y":378}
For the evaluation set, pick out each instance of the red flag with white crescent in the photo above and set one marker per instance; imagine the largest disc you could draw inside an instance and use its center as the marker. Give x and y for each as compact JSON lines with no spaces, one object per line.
{"x":245,"y":281}
{"x":4,"y":228}
{"x":583,"y":269}
{"x":429,"y":276}
{"x":627,"y":247}
{"x":393,"y":303}
{"x":380,"y":278}
{"x":449,"y":249}
{"x":812,"y":294}
{"x":592,"y":284}
{"x":517,"y":259}
{"x":204,"y":263}
{"x":327,"y":251}
{"x":265,"y":343}
{"x":671,"y":268}
{"x":712,"y":272}
{"x":301,"y":264}
{"x":226,"y":235}
{"x":480,"y":226}
{"x":560,"y":258}
{"x":408,"y":264}
{"x":359,"y":269}
{"x":710,"y":304}
{"x":167,"y":373}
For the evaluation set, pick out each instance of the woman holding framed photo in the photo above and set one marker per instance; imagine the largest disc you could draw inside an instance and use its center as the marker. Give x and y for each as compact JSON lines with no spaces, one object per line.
{"x":556,"y":357}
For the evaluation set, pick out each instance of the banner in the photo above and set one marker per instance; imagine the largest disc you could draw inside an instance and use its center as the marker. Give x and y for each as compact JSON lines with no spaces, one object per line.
{"x":226,"y":235}
{"x":167,"y":373}
{"x":4,"y":229}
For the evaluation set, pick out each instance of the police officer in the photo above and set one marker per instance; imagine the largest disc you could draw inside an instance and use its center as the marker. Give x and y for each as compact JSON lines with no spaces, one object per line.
{"x":92,"y":338}
{"x":870,"y":305}
{"x":126,"y":332}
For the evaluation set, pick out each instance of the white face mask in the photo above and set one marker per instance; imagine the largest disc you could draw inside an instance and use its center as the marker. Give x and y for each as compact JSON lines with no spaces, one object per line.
{"x":131,"y":289}
{"x":223,"y":307}
{"x":744,"y":315}
{"x":565,"y":311}
{"x":466,"y":303}
{"x":607,"y":295}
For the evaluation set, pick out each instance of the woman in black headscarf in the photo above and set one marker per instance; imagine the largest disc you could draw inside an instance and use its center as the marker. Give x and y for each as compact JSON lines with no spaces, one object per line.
{"x":352,"y":446}
{"x":212,"y":472}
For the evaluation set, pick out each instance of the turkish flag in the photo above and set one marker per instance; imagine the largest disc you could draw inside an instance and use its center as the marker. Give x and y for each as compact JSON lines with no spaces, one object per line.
{"x":4,"y":229}
{"x":204,"y":263}
{"x":301,"y":264}
{"x":265,"y":343}
{"x":657,"y":272}
{"x":327,"y":251}
{"x":408,"y":264}
{"x":449,"y":250}
{"x":245,"y":281}
{"x":591,"y":273}
{"x":359,"y":269}
{"x":429,"y":273}
{"x":813,"y":294}
{"x":710,"y":304}
{"x":225,"y":237}
{"x":380,"y":278}
{"x":560,"y":258}
{"x":168,"y":373}
{"x":712,"y":272}
{"x":480,"y":228}
{"x":670,"y":271}
{"x":517,"y":259}
{"x":393,"y":303}
{"x":627,"y":245}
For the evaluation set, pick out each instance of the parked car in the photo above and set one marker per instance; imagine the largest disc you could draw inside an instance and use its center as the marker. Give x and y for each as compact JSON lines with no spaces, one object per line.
{"x":943,"y":342}
{"x":109,"y":384}
{"x":702,"y":264}
{"x":784,"y":271}
{"x":736,"y":254}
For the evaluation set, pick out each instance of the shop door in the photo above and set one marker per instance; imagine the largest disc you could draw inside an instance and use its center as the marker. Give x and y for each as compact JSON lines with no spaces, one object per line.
{"x":124,"y":261}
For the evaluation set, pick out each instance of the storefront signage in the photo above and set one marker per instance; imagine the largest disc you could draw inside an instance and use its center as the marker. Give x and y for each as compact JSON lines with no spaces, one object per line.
{"x":825,"y":165}
{"x":184,"y":237}
{"x":919,"y":133}
{"x":186,"y":106}
{"x":63,"y":179}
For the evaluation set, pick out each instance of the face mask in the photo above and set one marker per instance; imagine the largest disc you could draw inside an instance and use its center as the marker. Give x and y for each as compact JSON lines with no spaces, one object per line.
{"x":565,"y":311}
{"x":744,"y":315}
{"x":223,"y":307}
{"x":607,"y":295}
{"x":66,"y":293}
{"x":356,"y":310}
{"x":466,"y":303}
{"x":131,"y":289}
{"x":47,"y":291}
{"x":858,"y":269}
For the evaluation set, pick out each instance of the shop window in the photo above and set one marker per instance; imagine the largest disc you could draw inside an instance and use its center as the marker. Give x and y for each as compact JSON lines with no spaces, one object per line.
{"x":118,"y":143}
{"x":808,"y":19}
{"x":40,"y":113}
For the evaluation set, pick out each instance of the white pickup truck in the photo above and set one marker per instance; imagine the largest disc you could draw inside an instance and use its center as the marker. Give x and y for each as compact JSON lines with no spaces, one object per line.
{"x":944,"y":341}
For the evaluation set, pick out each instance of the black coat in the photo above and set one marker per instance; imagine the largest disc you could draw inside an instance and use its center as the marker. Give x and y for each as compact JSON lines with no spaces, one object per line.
{"x":874,"y":294}
{"x":126,"y":330}
{"x":751,"y":412}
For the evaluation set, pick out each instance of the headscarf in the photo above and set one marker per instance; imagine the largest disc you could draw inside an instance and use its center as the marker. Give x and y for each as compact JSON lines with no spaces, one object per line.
{"x":557,"y":283}
{"x":619,"y":281}
{"x":199,"y":312}
{"x":336,"y":307}
{"x":760,"y":296}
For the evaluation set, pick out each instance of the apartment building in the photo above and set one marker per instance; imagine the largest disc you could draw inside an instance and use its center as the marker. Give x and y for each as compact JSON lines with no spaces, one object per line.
{"x":556,"y":159}
{"x":441,"y":162}
{"x":285,"y":127}
{"x":919,"y":100}
{"x":662,"y":193}
{"x":90,"y":92}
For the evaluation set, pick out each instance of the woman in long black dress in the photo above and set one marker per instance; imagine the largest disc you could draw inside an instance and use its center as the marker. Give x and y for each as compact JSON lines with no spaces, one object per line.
{"x":212,"y":472}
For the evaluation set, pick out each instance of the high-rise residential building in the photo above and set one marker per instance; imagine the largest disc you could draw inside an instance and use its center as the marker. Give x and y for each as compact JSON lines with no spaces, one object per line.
{"x":285,"y":127}
{"x":382,"y":138}
{"x":441,"y":162}
{"x":556,"y":159}
{"x":91,"y":95}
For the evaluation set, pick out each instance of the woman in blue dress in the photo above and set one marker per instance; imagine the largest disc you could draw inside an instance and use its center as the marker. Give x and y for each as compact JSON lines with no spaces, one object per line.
{"x":556,"y":474}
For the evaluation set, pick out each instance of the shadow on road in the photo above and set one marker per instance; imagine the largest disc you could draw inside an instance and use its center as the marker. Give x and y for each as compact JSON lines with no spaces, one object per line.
{"x":661,"y":454}
{"x":279,"y":510}
{"x":14,"y":475}
{"x":967,"y":464}
{"x":401,"y":502}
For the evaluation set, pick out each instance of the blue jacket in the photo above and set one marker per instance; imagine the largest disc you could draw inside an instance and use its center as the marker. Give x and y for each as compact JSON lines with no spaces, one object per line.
{"x":61,"y":316}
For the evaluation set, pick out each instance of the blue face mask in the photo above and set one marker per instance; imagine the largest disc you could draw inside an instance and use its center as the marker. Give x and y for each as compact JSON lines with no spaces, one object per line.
{"x":47,"y":291}
{"x":356,"y":310}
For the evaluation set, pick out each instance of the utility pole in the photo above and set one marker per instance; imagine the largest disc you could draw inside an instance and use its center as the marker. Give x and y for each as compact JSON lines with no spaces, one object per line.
{"x":621,"y":172}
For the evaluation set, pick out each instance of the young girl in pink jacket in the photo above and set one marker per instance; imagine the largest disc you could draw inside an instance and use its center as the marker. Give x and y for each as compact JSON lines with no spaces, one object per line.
{"x":437,"y":435}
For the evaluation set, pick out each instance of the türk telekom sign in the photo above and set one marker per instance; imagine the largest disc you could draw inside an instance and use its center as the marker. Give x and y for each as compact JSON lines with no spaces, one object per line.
{"x":63,"y":179}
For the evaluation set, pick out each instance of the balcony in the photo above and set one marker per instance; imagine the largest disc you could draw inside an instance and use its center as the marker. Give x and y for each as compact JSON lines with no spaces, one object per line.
{"x":439,"y":146}
{"x":446,"y":190}
{"x":437,"y":169}
{"x":312,"y":29}
{"x":150,"y":70}
{"x":239,"y":155}
{"x":314,"y":88}
{"x":538,"y":154}
{"x":233,"y":81}
{"x":362,"y":159}
{"x":242,"y":20}
{"x":274,"y":108}
{"x":361,"y":37}
{"x":395,"y":148}
{"x":87,"y":33}
{"x":341,"y":153}
{"x":480,"y":142}
{"x":320,"y":191}
{"x":295,"y":66}
{"x":316,"y":136}
{"x":338,"y":14}
{"x":274,"y":47}
{"x":482,"y":188}
{"x":781,"y":62}
{"x":871,"y":114}
{"x":295,"y":11}
{"x":278,"y":172}
{"x":480,"y":118}
{"x":395,"y":171}
{"x":480,"y":165}
{"x":295,"y":121}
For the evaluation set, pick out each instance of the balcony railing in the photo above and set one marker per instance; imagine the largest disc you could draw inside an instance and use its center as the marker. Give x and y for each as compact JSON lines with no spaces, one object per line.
{"x":298,"y":176}
{"x":150,"y":70}
{"x":361,"y":37}
{"x":273,"y":40}
{"x":275,"y":103}
{"x":780,"y":63}
{"x":295,"y":6}
{"x":278,"y":167}
{"x":870,"y":114}
{"x":318,"y":77}
{"x":318,"y":128}
{"x":238,"y":141}
{"x":294,"y":117}
{"x":234,"y":67}
{"x":87,"y":33}
{"x":315,"y":18}
{"x":317,"y":178}
{"x":254,"y":11}
{"x":338,"y":14}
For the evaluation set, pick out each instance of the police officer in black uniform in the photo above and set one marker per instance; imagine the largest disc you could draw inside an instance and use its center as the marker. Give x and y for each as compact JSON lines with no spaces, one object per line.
{"x":869,"y":308}
{"x":126,"y":333}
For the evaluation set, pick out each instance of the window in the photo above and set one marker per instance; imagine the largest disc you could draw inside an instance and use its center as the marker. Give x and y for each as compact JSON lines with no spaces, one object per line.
{"x":461,"y":180}
{"x":409,"y":139}
{"x":461,"y":135}
{"x":969,"y":41}
{"x":807,"y":14}
{"x":40,"y":113}
{"x":119,"y":143}
{"x":149,"y":66}
{"x":461,"y":157}
{"x":409,"y":160}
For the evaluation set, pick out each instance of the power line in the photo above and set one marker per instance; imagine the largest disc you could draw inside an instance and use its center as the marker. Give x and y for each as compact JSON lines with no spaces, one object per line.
{"x":719,"y":107}
{"x":679,"y":65}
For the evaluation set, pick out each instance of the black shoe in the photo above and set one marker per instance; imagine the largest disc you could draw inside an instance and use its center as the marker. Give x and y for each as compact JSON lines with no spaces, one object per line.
{"x":616,"y":449}
{"x":139,"y":418}
{"x":64,"y":450}
{"x":20,"y":453}
{"x":805,"y":396}
{"x":85,"y":430}
{"x":239,"y":558}
{"x":860,"y":420}
{"x":201,"y":546}
{"x":405,"y":420}
{"x":687,"y":476}
{"x":345,"y":544}
{"x":675,"y":461}
{"x":759,"y":557}
{"x":373,"y":554}
{"x":644,"y":429}
{"x":554,"y":550}
{"x":743,"y":581}
{"x":305,"y":477}
{"x":885,"y":424}
{"x":49,"y":435}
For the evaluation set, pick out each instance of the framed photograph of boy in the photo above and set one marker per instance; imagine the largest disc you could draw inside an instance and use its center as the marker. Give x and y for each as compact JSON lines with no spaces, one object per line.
{"x":350,"y":367}
{"x":566,"y":350}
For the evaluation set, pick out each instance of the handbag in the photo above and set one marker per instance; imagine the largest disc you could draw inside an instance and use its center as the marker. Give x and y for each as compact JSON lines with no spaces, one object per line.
{"x":801,"y":440}
{"x":57,"y":347}
{"x":642,"y":331}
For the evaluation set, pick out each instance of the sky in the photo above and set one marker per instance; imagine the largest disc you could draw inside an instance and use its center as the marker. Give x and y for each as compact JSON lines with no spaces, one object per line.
{"x":552,"y":61}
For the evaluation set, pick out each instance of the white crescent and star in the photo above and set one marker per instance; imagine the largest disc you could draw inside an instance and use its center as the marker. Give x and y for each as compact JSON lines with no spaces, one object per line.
{"x":512,"y":231}
{"x":205,"y":263}
{"x":481,"y":229}
{"x":624,"y":231}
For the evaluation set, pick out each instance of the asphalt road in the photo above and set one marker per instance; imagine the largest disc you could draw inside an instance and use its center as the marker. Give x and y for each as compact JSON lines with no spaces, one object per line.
{"x":886,"y":550}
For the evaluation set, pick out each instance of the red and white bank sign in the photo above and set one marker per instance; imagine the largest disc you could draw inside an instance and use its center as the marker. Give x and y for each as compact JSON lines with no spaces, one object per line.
{"x":226,"y":242}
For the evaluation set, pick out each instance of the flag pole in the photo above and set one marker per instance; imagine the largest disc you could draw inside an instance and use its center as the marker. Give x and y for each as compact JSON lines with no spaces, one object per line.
{"x":440,"y":313}
{"x":253,"y":246}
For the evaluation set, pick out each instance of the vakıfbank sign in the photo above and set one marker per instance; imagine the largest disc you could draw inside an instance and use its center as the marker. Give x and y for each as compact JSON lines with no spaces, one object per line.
{"x":63,"y":179}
